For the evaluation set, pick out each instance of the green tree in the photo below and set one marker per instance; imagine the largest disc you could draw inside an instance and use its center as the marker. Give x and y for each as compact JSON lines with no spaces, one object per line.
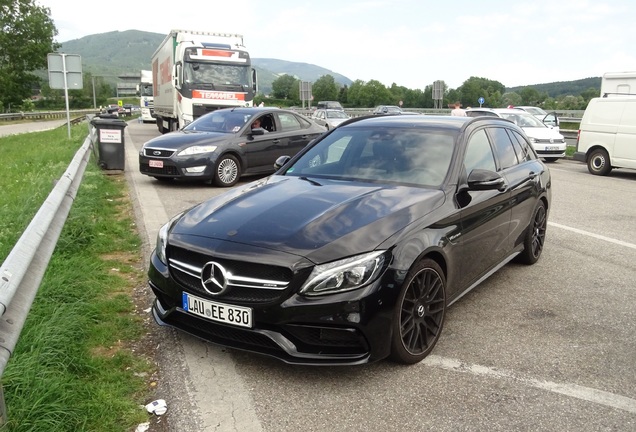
{"x":325,"y":88}
{"x":283,"y":87}
{"x":25,"y":40}
{"x":511,"y":98}
{"x":474,"y":88}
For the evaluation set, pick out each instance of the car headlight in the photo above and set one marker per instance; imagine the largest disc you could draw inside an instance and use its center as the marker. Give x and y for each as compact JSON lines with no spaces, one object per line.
{"x":344,"y":275}
{"x":197,"y":150}
{"x":162,"y":239}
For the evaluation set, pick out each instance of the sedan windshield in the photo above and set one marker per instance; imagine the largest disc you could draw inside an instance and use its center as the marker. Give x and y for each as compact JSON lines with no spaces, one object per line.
{"x":337,"y":115}
{"x":395,"y":155}
{"x":523,"y":119}
{"x":219,"y":121}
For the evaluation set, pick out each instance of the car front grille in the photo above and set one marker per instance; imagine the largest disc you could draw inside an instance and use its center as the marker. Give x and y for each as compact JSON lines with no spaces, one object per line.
{"x":247,"y":282}
{"x":162,"y":153}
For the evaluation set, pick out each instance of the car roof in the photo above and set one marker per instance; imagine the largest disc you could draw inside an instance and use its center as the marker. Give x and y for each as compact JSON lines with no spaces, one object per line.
{"x":443,"y":121}
{"x":499,"y":110}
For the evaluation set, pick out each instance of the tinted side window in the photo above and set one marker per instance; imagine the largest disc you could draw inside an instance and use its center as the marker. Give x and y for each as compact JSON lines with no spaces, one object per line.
{"x":289,"y":122}
{"x":503,"y":147}
{"x":478,"y":153}
{"x":525,"y":152}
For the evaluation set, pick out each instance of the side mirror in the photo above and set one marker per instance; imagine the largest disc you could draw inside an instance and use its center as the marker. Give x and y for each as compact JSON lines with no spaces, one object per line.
{"x":257,"y":131}
{"x":481,"y":179}
{"x":281,"y":161}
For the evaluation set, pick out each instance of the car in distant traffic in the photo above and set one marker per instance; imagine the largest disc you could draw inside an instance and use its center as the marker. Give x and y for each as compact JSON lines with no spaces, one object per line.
{"x":221,"y":146}
{"x":329,"y":118}
{"x":389,"y":109}
{"x":549,"y":119}
{"x":546,"y":140}
{"x":329,"y":105}
{"x":354,"y":249}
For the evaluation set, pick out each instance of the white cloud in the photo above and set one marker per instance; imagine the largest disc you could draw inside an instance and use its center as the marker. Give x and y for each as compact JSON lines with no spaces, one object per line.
{"x":411,"y":43}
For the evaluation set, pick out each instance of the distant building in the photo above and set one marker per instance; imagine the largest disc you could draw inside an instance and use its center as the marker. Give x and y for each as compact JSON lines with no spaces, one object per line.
{"x":128,"y":84}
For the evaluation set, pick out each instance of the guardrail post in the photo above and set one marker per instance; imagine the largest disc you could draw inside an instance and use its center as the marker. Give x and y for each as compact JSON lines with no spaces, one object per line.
{"x":3,"y":407}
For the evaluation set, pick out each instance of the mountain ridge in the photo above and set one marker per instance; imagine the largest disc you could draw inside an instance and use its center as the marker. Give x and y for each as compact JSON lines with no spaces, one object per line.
{"x":116,"y":53}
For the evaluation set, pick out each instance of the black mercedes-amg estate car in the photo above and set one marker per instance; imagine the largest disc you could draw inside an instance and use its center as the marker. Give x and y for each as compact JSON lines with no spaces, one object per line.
{"x":353,"y":249}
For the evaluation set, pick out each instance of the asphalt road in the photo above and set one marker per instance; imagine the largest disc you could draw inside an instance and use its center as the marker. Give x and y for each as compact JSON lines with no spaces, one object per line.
{"x":549,"y":347}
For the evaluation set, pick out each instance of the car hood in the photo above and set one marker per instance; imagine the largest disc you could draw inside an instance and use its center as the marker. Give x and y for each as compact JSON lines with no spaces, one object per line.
{"x":542,"y":133}
{"x":318,"y":219}
{"x":180,"y":139}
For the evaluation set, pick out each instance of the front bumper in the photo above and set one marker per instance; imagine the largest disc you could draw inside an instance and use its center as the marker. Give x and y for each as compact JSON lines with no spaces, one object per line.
{"x":340,"y":329}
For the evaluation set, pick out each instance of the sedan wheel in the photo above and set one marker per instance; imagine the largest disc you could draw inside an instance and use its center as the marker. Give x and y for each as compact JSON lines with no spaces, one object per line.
{"x":419,"y":314}
{"x":227,"y":171}
{"x":535,"y":236}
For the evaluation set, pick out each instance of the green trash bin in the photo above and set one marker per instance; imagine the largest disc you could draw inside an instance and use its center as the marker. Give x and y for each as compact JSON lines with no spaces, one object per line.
{"x":111,"y":153}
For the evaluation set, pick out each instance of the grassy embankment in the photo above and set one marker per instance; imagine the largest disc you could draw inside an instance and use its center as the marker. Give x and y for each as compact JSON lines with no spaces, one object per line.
{"x":74,"y":368}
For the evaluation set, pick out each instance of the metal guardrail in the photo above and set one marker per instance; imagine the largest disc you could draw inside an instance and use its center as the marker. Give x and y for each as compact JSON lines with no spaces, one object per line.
{"x":22,"y":271}
{"x":43,"y":115}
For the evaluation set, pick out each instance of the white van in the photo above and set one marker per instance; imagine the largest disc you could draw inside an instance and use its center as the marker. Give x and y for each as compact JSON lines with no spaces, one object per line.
{"x":607,"y":134}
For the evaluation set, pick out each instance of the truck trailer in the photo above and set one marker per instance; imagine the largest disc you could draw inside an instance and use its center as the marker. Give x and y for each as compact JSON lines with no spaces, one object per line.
{"x":146,"y":97}
{"x":196,"y":72}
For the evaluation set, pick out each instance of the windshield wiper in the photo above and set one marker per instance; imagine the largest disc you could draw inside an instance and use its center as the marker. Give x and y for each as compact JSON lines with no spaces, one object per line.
{"x":313,"y":182}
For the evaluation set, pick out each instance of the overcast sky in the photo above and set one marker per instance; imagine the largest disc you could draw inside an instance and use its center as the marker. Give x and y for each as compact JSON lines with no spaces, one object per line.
{"x":411,"y":42}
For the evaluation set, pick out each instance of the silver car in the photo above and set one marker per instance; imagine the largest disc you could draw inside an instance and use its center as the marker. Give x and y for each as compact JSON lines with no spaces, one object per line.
{"x":329,"y":118}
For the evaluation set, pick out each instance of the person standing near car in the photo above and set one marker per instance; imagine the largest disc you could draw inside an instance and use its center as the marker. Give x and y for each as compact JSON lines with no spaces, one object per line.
{"x":458,"y":111}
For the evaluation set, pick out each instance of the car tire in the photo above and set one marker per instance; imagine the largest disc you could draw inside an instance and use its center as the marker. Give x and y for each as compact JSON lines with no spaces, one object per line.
{"x":226,"y":171}
{"x":599,"y":162}
{"x":419,"y":313}
{"x":534,"y":238}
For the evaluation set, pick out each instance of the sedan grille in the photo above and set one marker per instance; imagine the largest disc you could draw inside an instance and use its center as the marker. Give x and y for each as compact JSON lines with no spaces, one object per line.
{"x":158,"y":153}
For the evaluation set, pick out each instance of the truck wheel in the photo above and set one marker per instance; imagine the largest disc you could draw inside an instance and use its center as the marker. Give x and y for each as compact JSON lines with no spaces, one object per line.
{"x":227,"y":171}
{"x":162,"y":130}
{"x":598,"y":163}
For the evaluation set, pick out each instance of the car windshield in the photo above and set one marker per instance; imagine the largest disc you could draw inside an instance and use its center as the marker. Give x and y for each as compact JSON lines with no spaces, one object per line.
{"x":535,"y":111}
{"x":388,"y":155}
{"x":336,"y":115}
{"x":523,"y":119}
{"x":226,"y":121}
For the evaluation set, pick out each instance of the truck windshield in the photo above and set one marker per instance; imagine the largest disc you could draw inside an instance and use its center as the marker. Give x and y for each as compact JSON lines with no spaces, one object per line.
{"x":219,"y":75}
{"x":145,"y":90}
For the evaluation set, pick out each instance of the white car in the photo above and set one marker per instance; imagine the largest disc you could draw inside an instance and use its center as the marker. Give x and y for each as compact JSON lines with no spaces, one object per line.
{"x":329,"y":118}
{"x":546,"y":140}
{"x":550,"y":119}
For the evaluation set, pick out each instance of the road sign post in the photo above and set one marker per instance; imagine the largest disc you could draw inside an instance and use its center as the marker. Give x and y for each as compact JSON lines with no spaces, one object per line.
{"x":65,"y":70}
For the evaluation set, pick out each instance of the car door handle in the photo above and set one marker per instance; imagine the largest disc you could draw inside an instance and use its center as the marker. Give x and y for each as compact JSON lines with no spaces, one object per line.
{"x":276,"y":141}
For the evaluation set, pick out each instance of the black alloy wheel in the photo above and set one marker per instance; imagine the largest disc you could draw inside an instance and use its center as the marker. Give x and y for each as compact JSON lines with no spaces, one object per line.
{"x":419,"y":314}
{"x":535,"y":236}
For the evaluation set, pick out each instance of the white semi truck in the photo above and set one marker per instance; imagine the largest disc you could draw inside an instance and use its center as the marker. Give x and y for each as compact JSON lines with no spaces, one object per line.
{"x":197,"y":72}
{"x":146,"y":97}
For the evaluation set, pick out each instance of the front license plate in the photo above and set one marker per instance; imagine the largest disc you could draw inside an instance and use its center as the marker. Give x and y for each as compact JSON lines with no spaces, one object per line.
{"x":219,"y":312}
{"x":155,"y":164}
{"x":548,"y":148}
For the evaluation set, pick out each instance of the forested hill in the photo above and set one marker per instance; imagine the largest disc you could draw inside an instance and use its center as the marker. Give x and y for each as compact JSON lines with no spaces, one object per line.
{"x":127,"y":52}
{"x":563,"y":88}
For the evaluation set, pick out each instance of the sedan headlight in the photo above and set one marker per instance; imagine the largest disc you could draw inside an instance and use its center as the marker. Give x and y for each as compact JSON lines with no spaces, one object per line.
{"x":162,"y":239}
{"x":197,"y":150}
{"x":344,"y":275}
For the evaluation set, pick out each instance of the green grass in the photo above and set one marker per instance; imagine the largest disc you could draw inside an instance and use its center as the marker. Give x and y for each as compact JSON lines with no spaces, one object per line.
{"x":74,"y":368}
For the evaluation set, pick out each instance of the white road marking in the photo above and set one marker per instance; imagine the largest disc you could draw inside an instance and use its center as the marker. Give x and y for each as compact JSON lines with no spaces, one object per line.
{"x":596,"y":236}
{"x":573,"y":390}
